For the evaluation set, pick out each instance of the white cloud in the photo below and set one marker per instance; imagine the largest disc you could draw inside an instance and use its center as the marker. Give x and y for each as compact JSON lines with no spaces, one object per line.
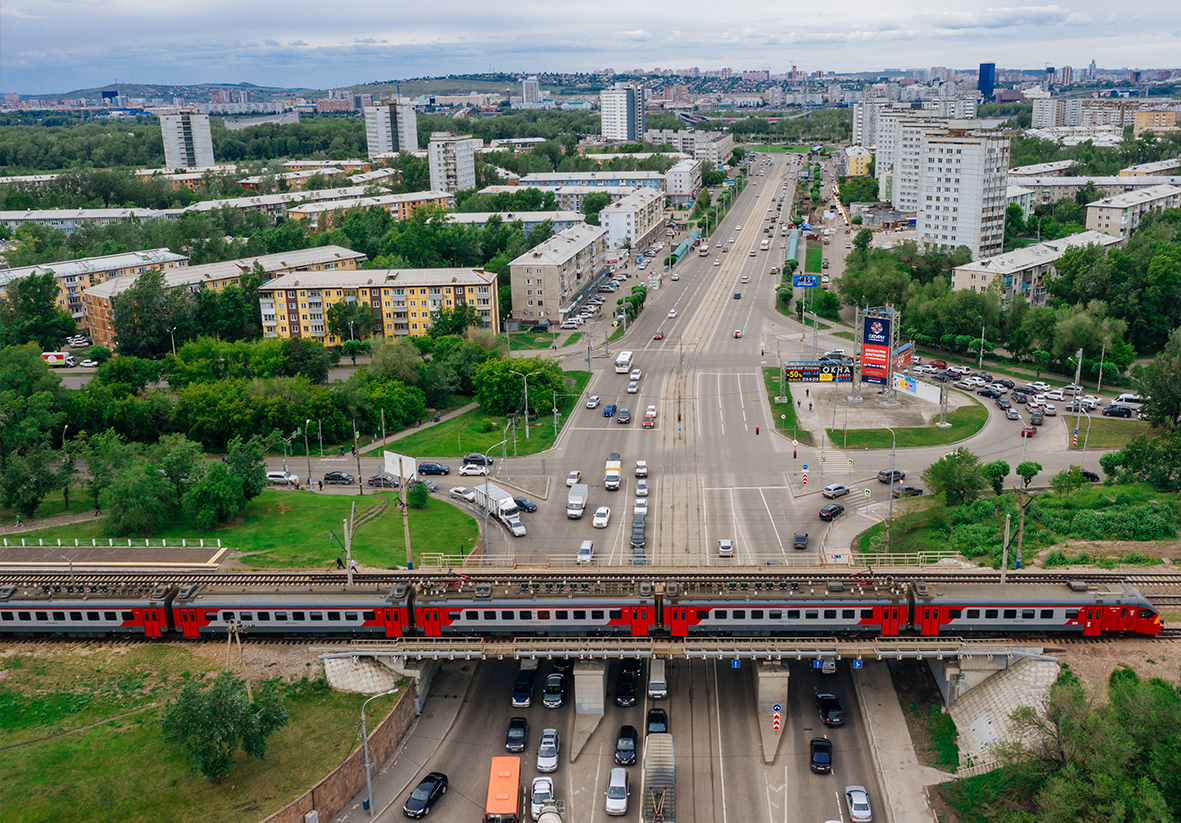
{"x":636,"y":35}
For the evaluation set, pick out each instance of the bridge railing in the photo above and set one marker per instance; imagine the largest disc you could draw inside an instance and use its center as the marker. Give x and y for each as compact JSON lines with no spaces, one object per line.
{"x":42,"y":542}
{"x":546,"y":561}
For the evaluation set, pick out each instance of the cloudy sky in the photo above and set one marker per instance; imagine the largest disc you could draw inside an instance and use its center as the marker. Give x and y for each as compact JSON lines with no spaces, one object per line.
{"x":60,"y":45}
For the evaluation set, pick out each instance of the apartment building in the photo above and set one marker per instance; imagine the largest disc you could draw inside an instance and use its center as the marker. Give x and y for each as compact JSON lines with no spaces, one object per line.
{"x":855,"y":160}
{"x":1078,"y":111}
{"x":69,"y":220}
{"x":622,"y":112}
{"x":529,"y":220}
{"x":296,"y":305}
{"x":627,"y":179}
{"x":707,"y":146}
{"x":865,"y":121}
{"x":554,"y":278}
{"x":187,"y":140}
{"x":636,"y":221}
{"x":1154,"y":120}
{"x":1020,"y":195}
{"x":683,"y":182}
{"x":1156,"y":169}
{"x":1120,"y":214}
{"x":339,"y":166}
{"x":962,"y":190}
{"x":569,"y":197}
{"x":898,"y":153}
{"x":75,"y":276}
{"x":290,"y":180}
{"x":1052,"y":189}
{"x":453,"y":161}
{"x":326,"y":216}
{"x":276,"y":205}
{"x":190,"y":179}
{"x":390,"y":128}
{"x":1059,"y":168}
{"x":1024,"y":271}
{"x":99,"y":299}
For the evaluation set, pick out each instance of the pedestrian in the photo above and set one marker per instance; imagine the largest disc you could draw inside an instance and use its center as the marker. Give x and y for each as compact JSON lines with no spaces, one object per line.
{"x":97,"y":510}
{"x":320,"y":483}
{"x":806,"y":393}
{"x":353,"y":565}
{"x":339,"y":562}
{"x":18,"y":520}
{"x":809,"y":405}
{"x":438,"y":416}
{"x":354,"y":451}
{"x":309,"y":482}
{"x":798,"y":402}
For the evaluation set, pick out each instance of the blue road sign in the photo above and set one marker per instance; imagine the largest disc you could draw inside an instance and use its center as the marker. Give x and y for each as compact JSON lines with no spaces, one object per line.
{"x":857,"y":664}
{"x":734,"y":664}
{"x":817,"y":663}
{"x":776,"y":708}
{"x":805,"y":467}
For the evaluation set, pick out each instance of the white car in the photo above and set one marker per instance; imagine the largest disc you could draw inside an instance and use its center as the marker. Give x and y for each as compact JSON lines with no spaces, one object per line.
{"x":641,"y":488}
{"x":1050,"y":410}
{"x":676,"y":277}
{"x":573,"y":477}
{"x":1040,"y":386}
{"x":541,"y":795}
{"x":672,"y":312}
{"x":718,"y":262}
{"x":516,"y":527}
{"x":547,"y":751}
{"x":636,"y":374}
{"x":89,"y":364}
{"x":602,"y":517}
{"x":592,"y":402}
{"x":737,"y":228}
{"x":283,"y":478}
{"x":464,"y":493}
{"x":731,"y":241}
{"x":858,"y":800}
{"x":974,"y":381}
{"x":472,"y":469}
{"x":651,"y":410}
{"x":1055,"y":394}
{"x":617,"y":792}
{"x":633,"y":387}
{"x":719,"y":243}
{"x":641,"y":508}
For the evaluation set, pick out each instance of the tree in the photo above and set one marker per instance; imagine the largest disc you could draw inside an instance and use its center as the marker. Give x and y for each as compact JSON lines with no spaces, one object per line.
{"x":457,"y":320}
{"x":308,"y":358}
{"x":136,"y":502}
{"x":594,"y":203}
{"x":180,"y":461}
{"x":211,"y":724}
{"x":1153,"y":460}
{"x":418,"y":495}
{"x":245,"y":460}
{"x":958,"y":476}
{"x":147,"y":317}
{"x":349,"y":320}
{"x":1028,"y":470}
{"x":1161,"y":380}
{"x":500,"y":391}
{"x":214,"y":497}
{"x":104,"y":454}
{"x":996,"y":472}
{"x":29,"y":313}
{"x":1067,"y":480}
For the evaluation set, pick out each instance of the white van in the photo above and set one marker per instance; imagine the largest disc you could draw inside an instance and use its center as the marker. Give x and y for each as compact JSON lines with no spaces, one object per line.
{"x":657,"y":684}
{"x":1132,"y":401}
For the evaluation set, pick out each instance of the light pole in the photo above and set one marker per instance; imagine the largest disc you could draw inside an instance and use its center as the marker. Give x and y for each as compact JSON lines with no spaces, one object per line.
{"x":1024,"y":436}
{"x":1102,"y":354}
{"x":350,"y":330}
{"x":1083,"y":459}
{"x":172,"y":337}
{"x":526,"y":378}
{"x":365,"y":742}
{"x":487,"y":508}
{"x":980,"y":365}
{"x":893,"y":445}
{"x":308,"y":451}
{"x":71,"y":565}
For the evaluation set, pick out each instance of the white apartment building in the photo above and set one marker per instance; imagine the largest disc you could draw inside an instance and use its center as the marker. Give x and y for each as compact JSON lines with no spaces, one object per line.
{"x":453,"y":161}
{"x":962,"y":189}
{"x":391,"y":128}
{"x":898,"y":152}
{"x":1078,"y":111}
{"x":1151,"y":169}
{"x":683,"y":182}
{"x":187,"y":141}
{"x":1120,"y":214}
{"x":1052,"y":189}
{"x":68,"y":220}
{"x":1023,"y":271}
{"x":1020,"y":195}
{"x":530,"y":92}
{"x":552,"y":279}
{"x":865,"y":121}
{"x":867,"y":114}
{"x":636,"y":221}
{"x":630,"y":179}
{"x":622,"y":112}
{"x":707,"y":146}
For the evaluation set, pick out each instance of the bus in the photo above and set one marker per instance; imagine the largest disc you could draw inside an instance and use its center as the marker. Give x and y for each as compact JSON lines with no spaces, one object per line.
{"x":703,"y":251}
{"x":766,"y":245}
{"x":623,"y":363}
{"x":504,"y":791}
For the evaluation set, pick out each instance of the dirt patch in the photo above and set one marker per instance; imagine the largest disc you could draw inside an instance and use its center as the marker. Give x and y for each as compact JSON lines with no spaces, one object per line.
{"x":918,"y":693}
{"x":1093,"y":663}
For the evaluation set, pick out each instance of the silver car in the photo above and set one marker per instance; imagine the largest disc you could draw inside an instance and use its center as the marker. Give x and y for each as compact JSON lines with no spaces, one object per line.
{"x":858,"y":800}
{"x":547,"y":751}
{"x":617,"y":792}
{"x":543,"y":793}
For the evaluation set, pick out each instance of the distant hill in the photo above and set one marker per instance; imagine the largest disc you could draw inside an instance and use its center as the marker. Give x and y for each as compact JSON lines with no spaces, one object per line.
{"x":197,"y":91}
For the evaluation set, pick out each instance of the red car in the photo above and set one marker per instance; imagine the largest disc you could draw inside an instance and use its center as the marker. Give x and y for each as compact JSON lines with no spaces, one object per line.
{"x":658,"y":336}
{"x":1028,"y":431}
{"x":939,"y":364}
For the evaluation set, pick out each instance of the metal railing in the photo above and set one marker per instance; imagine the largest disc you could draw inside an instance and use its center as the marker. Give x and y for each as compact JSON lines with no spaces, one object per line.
{"x":42,"y":542}
{"x":749,"y":561}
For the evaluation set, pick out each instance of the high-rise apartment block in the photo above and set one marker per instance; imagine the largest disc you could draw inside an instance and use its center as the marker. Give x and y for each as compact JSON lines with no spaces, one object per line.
{"x":707,"y":146}
{"x":530,"y":92}
{"x":391,"y":128}
{"x":1076,"y":111}
{"x":453,"y":161}
{"x":623,"y":112}
{"x":187,"y":141}
{"x":986,"y":82}
{"x":962,"y":189}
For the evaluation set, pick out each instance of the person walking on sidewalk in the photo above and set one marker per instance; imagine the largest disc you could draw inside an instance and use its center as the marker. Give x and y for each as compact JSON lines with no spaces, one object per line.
{"x":97,"y":510}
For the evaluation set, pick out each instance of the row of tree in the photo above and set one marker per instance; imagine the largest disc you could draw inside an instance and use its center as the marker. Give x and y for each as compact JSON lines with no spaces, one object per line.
{"x":1095,"y":161}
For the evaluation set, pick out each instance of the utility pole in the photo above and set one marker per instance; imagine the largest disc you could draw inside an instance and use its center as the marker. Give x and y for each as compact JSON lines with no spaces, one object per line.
{"x":1102,"y":354}
{"x":405,"y":506}
{"x":308,"y":451}
{"x":357,"y":452}
{"x":1005,"y":551}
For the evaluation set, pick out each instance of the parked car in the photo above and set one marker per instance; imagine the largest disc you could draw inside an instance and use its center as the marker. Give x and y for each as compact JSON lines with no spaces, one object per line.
{"x":517,"y":736}
{"x":425,"y":795}
{"x":383,"y":481}
{"x":1012,"y":413}
{"x":289,"y":479}
{"x":1050,"y":410}
{"x":831,"y":713}
{"x":890,"y":476}
{"x":820,"y":755}
{"x":858,"y":800}
{"x":1019,"y":396}
{"x":1003,"y":403}
{"x":907,"y":491}
{"x":477,"y":459}
{"x":433,"y":468}
{"x":1117,"y":411}
{"x":835,"y":490}
{"x":468,"y":470}
{"x":831,"y":511}
{"x":592,"y":402}
{"x":989,"y":392}
{"x":339,"y":479}
{"x":626,"y":745}
{"x":547,"y":751}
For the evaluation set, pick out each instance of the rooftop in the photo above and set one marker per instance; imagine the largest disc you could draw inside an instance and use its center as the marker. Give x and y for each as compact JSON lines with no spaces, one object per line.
{"x":258,"y":200}
{"x":107,"y":262}
{"x":1153,"y":168}
{"x":561,"y":247}
{"x":636,"y":200}
{"x":481,"y":217}
{"x":1041,"y":168}
{"x":380,"y":278}
{"x":567,"y":177}
{"x":380,"y":200}
{"x":1037,"y":254}
{"x":1136,"y":198}
{"x":79,"y":214}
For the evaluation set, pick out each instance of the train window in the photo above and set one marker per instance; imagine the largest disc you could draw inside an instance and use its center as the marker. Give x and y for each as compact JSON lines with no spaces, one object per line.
{"x":776,"y":614}
{"x":543,"y":614}
{"x":830,"y":614}
{"x":955,"y":614}
{"x":24,"y":616}
{"x":108,"y":615}
{"x":59,"y":615}
{"x":756,"y":614}
{"x":793,"y":614}
{"x":580,"y":614}
{"x":526,"y":614}
{"x":453,"y":616}
{"x":281,"y":616}
{"x":1143,"y":613}
{"x":263,"y":616}
{"x":1072,"y":614}
{"x":316,"y":617}
{"x":93,"y":616}
{"x":489,"y":615}
{"x":811,"y":614}
{"x":350,"y":615}
{"x":596,"y":614}
{"x":42,"y":617}
{"x":615,"y":614}
{"x":243,"y":616}
{"x":508,"y":614}
{"x":719,"y":614}
{"x":848,"y":614}
{"x":740,"y":614}
{"x":472,"y":614}
{"x":1047,"y":614}
{"x":1027,"y":614}
{"x":298,"y":616}
{"x":562,"y":614}
{"x":990,"y":614}
{"x":973,"y":614}
{"x":703,"y":614}
{"x":333,"y":616}
{"x":228,"y":617}
{"x":6,"y":616}
{"x":866,"y":614}
{"x":1010,"y":614}
{"x":75,"y":615}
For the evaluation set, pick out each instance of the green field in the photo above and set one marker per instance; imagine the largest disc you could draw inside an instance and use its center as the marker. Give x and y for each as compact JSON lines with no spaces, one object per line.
{"x":522,"y":340}
{"x":121,"y":769}
{"x":572,"y":339}
{"x":784,"y":414}
{"x":965,"y":422}
{"x":813,"y":257}
{"x":1106,"y":432}
{"x":283,"y":528}
{"x":780,"y":148}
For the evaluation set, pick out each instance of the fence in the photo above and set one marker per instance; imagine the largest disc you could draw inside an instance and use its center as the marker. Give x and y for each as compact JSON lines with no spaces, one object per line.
{"x":756,"y":559}
{"x":111,"y":542}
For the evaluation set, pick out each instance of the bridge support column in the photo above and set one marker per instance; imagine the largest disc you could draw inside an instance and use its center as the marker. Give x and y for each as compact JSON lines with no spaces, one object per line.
{"x":590,"y":695}
{"x":771,"y":688}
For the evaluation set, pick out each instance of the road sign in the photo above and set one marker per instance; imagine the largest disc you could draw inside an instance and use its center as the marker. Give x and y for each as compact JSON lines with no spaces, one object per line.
{"x":795,"y":442}
{"x":775,"y":723}
{"x":735,"y":664}
{"x":805,"y":478}
{"x":857,"y":664}
{"x":777,"y":708}
{"x":850,"y":462}
{"x":805,"y":465}
{"x":867,"y":492}
{"x":817,"y":663}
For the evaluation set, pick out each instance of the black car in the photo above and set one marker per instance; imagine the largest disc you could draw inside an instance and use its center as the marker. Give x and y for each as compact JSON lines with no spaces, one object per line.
{"x":1020,"y":396}
{"x":383,"y":481}
{"x":338,"y":479}
{"x":890,"y":475}
{"x":626,"y":745}
{"x":419,"y":803}
{"x":431,"y":485}
{"x":638,"y":541}
{"x":624,"y":416}
{"x":1091,"y":476}
{"x":830,"y":709}
{"x":832,"y":511}
{"x":554,"y":693}
{"x":433,"y":468}
{"x":1003,"y":403}
{"x":523,"y":688}
{"x":563,"y":664}
{"x":820,"y":755}
{"x":907,"y":491}
{"x":1117,"y":411}
{"x":625,"y":689}
{"x":983,"y":375}
{"x":988,"y":392}
{"x":639,"y":521}
{"x":657,"y":721}
{"x":800,"y":541}
{"x":517,"y":736}
{"x":1006,"y":382}
{"x":525,"y":504}
{"x":477,"y":459}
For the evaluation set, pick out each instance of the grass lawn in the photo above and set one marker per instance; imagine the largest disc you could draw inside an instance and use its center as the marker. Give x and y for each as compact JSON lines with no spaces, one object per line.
{"x":478,"y":431}
{"x":53,"y":505}
{"x":784,"y":414}
{"x":780,"y":149}
{"x":521,"y":340}
{"x":965,"y":422}
{"x":845,"y":335}
{"x":572,"y":339}
{"x":281,"y":528}
{"x":1106,"y":432}
{"x":122,"y":769}
{"x":813,"y":256}
{"x":618,"y":333}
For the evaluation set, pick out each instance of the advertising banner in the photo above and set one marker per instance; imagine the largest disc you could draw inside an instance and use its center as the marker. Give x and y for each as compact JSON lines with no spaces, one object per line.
{"x":810,"y":371}
{"x":875,"y":350}
{"x":804,"y":281}
{"x":903,"y":356}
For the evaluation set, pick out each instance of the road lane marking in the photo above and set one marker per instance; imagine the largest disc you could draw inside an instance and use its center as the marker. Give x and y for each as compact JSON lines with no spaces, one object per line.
{"x":771,"y":517}
{"x":721,"y":757}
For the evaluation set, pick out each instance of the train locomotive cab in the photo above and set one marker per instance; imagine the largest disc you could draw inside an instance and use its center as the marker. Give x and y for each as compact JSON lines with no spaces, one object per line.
{"x":85,"y":611}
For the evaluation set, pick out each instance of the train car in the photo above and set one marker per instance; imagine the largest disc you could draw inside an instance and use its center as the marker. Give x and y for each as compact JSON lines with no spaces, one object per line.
{"x":376,"y":612}
{"x":835,"y":608}
{"x":1040,"y":608}
{"x":519,"y":609}
{"x":85,"y":611}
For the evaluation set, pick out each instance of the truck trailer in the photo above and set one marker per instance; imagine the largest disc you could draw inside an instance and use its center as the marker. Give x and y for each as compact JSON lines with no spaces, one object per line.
{"x":613,"y":471}
{"x":658,"y":791}
{"x":576,"y":502}
{"x":496,"y":501}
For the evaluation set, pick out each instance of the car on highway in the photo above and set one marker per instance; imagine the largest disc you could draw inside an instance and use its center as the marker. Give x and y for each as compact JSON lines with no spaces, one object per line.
{"x":516,"y":527}
{"x":573,"y":477}
{"x":425,"y":795}
{"x":525,"y":504}
{"x":738,"y":332}
{"x":592,"y":402}
{"x":641,"y":507}
{"x":554,"y":692}
{"x":737,"y":295}
{"x":890,"y":475}
{"x":718,"y":262}
{"x":672,"y":312}
{"x":602,"y":517}
{"x":641,"y":488}
{"x":635,"y":375}
{"x":541,"y":794}
{"x":617,"y":793}
{"x":517,"y":736}
{"x":858,"y":800}
{"x":383,"y":481}
{"x":633,"y":387}
{"x":745,"y":279}
{"x":339,"y":479}
{"x":642,"y":465}
{"x":624,"y":416}
{"x":659,"y":335}
{"x":586,"y":553}
{"x":609,"y":410}
{"x":1117,"y":411}
{"x":89,"y":364}
{"x":1028,"y":430}
{"x":625,"y":746}
{"x":831,"y":511}
{"x":725,"y":547}
{"x":477,"y":459}
{"x":657,"y":721}
{"x":547,"y":751}
{"x":907,"y":491}
{"x":472,"y":470}
{"x":835,"y":490}
{"x":638,"y":540}
{"x":800,"y":540}
{"x":464,"y":493}
{"x":820,"y":755}
{"x":433,"y":468}
{"x":625,"y":689}
{"x":1012,"y":413}
{"x":831,"y":713}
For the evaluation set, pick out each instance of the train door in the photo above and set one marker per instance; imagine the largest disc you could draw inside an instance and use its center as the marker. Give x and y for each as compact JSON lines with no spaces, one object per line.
{"x":432,"y":625}
{"x":678,"y":621}
{"x":639,"y":618}
{"x":152,"y":622}
{"x":188,"y":622}
{"x":929,"y":620}
{"x":1092,"y":621}
{"x":393,"y":622}
{"x":890,"y":621}
{"x":1117,"y":619}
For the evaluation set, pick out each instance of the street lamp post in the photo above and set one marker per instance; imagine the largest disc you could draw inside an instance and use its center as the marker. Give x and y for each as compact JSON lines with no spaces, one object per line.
{"x":980,"y":365}
{"x":172,"y":337}
{"x":487,"y":508}
{"x":307,"y":451}
{"x":1102,"y":354}
{"x":1024,"y":436}
{"x":893,"y":445}
{"x":365,"y":743}
{"x":526,"y":378}
{"x":1086,"y":437}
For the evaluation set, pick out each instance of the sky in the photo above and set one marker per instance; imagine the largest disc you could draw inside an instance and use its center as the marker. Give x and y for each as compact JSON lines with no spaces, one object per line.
{"x":51,"y":46}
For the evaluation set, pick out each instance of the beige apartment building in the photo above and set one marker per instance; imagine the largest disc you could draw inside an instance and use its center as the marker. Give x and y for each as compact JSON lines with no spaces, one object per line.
{"x":557,"y":276}
{"x":326,"y":216}
{"x":1120,"y":215}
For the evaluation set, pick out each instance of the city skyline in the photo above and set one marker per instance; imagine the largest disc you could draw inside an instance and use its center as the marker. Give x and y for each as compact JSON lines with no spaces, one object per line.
{"x":56,"y":46}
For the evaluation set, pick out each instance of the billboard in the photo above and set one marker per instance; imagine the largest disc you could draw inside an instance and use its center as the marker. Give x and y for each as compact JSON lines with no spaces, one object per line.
{"x":811,"y":371}
{"x":903,"y":356}
{"x":875,"y":350}
{"x":804,"y":281}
